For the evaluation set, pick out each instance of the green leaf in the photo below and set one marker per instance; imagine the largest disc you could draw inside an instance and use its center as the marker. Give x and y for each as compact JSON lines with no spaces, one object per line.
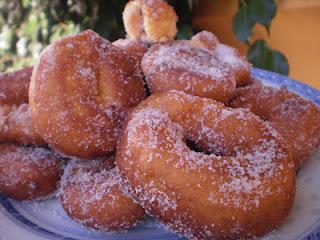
{"x":185,"y":32}
{"x":263,"y":11}
{"x":25,"y":3}
{"x":32,"y":26}
{"x":280,"y":63}
{"x":261,"y":56}
{"x":243,"y":23}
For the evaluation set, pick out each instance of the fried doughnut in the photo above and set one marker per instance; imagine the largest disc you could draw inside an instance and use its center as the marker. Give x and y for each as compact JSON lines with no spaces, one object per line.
{"x":243,"y":187}
{"x":28,"y":173}
{"x":16,"y":125}
{"x":134,"y":48}
{"x":14,"y":86}
{"x":91,"y":194}
{"x":150,"y":20}
{"x":79,"y":93}
{"x":180,"y":66}
{"x":295,"y":118}
{"x":225,"y":54}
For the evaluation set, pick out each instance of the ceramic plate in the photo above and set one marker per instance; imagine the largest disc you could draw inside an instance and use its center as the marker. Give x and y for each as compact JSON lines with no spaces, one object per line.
{"x":47,"y":220}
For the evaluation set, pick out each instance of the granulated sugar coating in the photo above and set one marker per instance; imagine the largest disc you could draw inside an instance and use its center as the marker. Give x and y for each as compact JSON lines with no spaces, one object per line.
{"x":14,"y":86}
{"x":28,"y":173}
{"x":92,"y":194}
{"x":16,"y":125}
{"x":296,"y":119}
{"x":136,"y":49}
{"x":180,"y":66}
{"x":243,"y":187}
{"x":225,"y":54}
{"x":80,"y":91}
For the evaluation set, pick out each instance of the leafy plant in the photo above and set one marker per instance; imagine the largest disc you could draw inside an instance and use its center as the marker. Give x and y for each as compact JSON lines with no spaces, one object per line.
{"x":250,"y":13}
{"x":27,"y":26}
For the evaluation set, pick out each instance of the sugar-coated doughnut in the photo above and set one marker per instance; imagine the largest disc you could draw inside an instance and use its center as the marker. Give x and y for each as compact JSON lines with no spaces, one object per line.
{"x":295,"y":118}
{"x":179,"y":66}
{"x":134,"y":48}
{"x":243,"y":186}
{"x":14,"y":86}
{"x":16,"y":125}
{"x":28,"y":173}
{"x":225,"y":54}
{"x":92,"y":194}
{"x":80,"y":90}
{"x":150,"y":20}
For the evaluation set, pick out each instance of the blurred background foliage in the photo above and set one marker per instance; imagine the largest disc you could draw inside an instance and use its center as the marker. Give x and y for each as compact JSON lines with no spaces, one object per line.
{"x":27,"y":26}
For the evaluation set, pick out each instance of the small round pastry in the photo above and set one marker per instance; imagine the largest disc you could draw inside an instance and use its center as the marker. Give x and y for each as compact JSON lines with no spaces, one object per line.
{"x":14,"y":86}
{"x":134,"y":48}
{"x":225,"y":54}
{"x":179,"y":66}
{"x":28,"y":173}
{"x":242,"y":185}
{"x":92,"y":194}
{"x":205,"y":40}
{"x":16,"y":125}
{"x":80,"y":91}
{"x":295,"y":118}
{"x":150,"y":21}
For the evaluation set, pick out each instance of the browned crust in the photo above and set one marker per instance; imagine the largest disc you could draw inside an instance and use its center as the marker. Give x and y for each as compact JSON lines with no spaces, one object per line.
{"x":79,"y":93}
{"x":192,"y":214}
{"x":14,"y":86}
{"x":295,"y":118}
{"x":28,"y":173}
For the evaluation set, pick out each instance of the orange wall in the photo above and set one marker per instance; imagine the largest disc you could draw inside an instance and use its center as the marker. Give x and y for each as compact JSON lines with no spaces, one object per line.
{"x":295,"y":31}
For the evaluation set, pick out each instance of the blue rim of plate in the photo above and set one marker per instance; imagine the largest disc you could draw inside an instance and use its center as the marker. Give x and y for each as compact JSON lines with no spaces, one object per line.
{"x":313,"y":233}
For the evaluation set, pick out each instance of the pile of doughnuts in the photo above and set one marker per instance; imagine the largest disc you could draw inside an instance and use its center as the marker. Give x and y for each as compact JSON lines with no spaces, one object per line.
{"x":28,"y":168}
{"x":148,"y":125}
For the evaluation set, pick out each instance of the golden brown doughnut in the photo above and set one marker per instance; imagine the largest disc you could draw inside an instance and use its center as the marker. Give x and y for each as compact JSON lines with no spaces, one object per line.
{"x":14,"y":86}
{"x":16,"y":125}
{"x":179,"y":66}
{"x":79,"y":93}
{"x":150,"y":20}
{"x":225,"y":54}
{"x":244,"y":186}
{"x":92,"y":195}
{"x":295,"y":118}
{"x":28,"y":173}
{"x":134,"y":48}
